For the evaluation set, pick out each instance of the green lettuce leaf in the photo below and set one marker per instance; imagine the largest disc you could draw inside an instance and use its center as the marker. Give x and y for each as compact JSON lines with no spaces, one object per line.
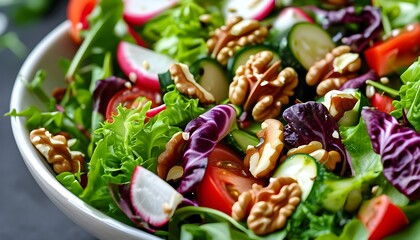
{"x":357,"y":142}
{"x":355,"y":229}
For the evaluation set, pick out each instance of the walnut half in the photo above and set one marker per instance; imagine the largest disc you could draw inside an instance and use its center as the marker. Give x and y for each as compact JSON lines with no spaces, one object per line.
{"x":237,"y":33}
{"x":186,"y":84}
{"x":262,"y":87}
{"x":336,"y":68}
{"x":262,"y":159}
{"x":267,"y":209}
{"x":56,"y":151}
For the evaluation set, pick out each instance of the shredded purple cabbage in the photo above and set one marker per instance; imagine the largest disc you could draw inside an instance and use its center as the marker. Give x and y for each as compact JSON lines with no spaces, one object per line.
{"x":104,"y":91}
{"x":311,"y":121}
{"x":369,"y":17}
{"x":360,"y":81}
{"x":204,"y":133}
{"x":399,"y":148}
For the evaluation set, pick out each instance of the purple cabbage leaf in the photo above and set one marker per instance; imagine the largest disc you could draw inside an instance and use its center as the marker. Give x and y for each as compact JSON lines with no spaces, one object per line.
{"x":360,"y":81}
{"x":369,"y":18}
{"x":399,"y":148}
{"x":204,"y":133}
{"x":311,"y":121}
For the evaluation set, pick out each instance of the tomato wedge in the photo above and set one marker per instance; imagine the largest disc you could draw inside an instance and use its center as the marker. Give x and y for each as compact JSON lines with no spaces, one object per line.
{"x":382,"y":102}
{"x":382,"y":217}
{"x":225,"y":179}
{"x":128,"y":98}
{"x":77,"y":12}
{"x":395,"y":52}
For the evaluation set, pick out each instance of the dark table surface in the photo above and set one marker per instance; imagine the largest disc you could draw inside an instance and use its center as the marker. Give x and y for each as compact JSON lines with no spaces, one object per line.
{"x":25,"y":211}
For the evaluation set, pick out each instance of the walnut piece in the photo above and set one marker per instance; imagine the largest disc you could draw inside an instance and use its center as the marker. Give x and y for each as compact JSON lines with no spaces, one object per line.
{"x":262,"y":159}
{"x":315,"y":149}
{"x":262,"y":87}
{"x":169,"y":158}
{"x":56,"y":151}
{"x":237,"y":33}
{"x":185,"y":83}
{"x":338,"y":102}
{"x":331,"y":72}
{"x":267,"y":209}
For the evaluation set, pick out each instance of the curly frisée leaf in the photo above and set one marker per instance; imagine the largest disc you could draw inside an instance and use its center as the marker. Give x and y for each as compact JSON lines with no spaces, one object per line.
{"x":399,"y":148}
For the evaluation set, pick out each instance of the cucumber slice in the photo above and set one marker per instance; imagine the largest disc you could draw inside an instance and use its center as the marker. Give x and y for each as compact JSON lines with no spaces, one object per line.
{"x":211,"y":75}
{"x":243,"y":55}
{"x":303,"y":45}
{"x":240,"y":140}
{"x":301,"y":167}
{"x":165,"y":80}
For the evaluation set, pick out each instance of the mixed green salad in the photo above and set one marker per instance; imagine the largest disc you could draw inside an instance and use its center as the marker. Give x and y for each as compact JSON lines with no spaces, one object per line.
{"x":194,"y":119}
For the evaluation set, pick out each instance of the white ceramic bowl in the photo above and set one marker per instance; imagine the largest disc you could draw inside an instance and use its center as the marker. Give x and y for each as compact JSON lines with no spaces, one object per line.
{"x":46,"y":55}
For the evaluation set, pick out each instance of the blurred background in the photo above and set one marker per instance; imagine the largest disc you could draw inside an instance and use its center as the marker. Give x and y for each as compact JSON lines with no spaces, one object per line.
{"x":25,"y":211}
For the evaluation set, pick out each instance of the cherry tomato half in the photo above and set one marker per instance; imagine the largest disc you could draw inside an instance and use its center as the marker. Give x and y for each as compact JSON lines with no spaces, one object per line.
{"x":129,"y":99}
{"x":381,"y":217}
{"x":225,"y":179}
{"x":77,"y":12}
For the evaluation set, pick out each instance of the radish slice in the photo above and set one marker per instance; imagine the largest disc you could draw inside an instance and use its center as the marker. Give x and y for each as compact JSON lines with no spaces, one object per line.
{"x":290,"y":16}
{"x":142,"y":65}
{"x":137,"y":12}
{"x":249,"y":9}
{"x":153,"y":199}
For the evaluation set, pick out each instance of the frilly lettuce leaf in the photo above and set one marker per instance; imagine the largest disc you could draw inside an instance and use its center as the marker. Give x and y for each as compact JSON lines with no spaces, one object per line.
{"x":179,"y":32}
{"x":410,"y":96}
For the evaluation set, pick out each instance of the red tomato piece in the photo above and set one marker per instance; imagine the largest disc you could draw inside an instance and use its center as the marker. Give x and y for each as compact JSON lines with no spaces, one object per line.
{"x":77,"y":12}
{"x":128,"y":98}
{"x":395,"y":52}
{"x":382,"y":102}
{"x":225,"y":179}
{"x":382,"y":217}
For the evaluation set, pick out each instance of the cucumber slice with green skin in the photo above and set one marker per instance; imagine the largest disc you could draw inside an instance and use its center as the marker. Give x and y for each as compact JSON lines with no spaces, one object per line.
{"x":165,"y":80}
{"x":212,"y":76}
{"x":240,"y":140}
{"x":303,"y":168}
{"x":303,"y":45}
{"x":243,"y":55}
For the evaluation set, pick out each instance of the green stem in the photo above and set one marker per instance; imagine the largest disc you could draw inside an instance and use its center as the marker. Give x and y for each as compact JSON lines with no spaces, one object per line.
{"x":388,"y":90}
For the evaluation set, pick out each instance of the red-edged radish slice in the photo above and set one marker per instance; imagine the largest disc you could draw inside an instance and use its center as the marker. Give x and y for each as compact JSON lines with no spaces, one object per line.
{"x":153,"y":199}
{"x":290,"y":16}
{"x":249,"y":9}
{"x":142,"y":65}
{"x":137,"y":12}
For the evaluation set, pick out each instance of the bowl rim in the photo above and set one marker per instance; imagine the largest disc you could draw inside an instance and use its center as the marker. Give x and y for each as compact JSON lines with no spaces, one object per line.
{"x":66,"y":201}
